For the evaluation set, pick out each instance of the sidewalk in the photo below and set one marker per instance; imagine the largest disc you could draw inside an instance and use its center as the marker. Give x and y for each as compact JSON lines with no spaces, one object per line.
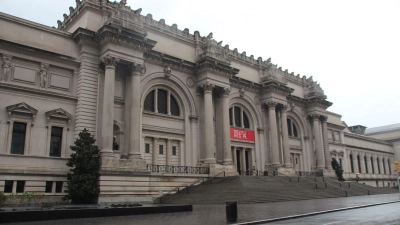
{"x":215,"y":214}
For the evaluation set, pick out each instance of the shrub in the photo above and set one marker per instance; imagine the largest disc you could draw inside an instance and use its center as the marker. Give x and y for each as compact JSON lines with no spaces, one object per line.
{"x":82,"y":181}
{"x":338,"y":169}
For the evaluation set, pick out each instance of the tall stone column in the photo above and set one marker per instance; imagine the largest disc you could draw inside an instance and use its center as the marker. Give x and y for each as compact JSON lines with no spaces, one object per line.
{"x":243,"y":157}
{"x":381,"y":165}
{"x":328,"y":159}
{"x":155,"y":150}
{"x":285,"y":135}
{"x":208,"y":123}
{"x":386,"y":164}
{"x":168,"y":152}
{"x":227,"y":160}
{"x":134,"y":125}
{"x":318,"y":143}
{"x":108,"y":106}
{"x":274,"y":134}
{"x":234,"y":156}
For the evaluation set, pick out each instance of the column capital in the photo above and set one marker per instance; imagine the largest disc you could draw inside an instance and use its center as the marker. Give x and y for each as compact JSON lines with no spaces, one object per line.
{"x":271,"y":104}
{"x":225,"y":92}
{"x":207,"y":87}
{"x":314,"y":116}
{"x":138,"y":69}
{"x":324,"y":118}
{"x":109,"y":61}
{"x":284,"y":108}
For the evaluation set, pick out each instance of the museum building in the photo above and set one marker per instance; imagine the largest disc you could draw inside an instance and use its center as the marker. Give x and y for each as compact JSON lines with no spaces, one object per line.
{"x":166,"y":107}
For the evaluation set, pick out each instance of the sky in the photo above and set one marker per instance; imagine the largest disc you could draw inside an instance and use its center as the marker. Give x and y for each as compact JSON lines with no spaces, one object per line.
{"x":352,"y":48}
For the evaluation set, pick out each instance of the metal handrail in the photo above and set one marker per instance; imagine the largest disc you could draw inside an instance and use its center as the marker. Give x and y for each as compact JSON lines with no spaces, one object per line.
{"x":290,"y":179}
{"x":349,"y":184}
{"x":201,"y":180}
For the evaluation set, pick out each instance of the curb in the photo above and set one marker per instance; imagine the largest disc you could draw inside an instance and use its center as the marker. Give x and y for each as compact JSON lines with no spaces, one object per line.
{"x":314,"y":213}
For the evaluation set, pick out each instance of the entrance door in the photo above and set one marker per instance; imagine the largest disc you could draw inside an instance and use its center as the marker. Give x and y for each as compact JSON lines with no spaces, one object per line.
{"x":246,"y":155}
{"x":238,"y":161}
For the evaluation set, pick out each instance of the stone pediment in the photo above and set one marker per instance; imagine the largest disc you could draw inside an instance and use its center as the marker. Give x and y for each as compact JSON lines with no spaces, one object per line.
{"x":59,"y":113}
{"x":21,"y":108}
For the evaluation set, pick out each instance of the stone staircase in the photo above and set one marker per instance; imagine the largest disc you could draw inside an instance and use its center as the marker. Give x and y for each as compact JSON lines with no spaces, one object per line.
{"x":262,"y":189}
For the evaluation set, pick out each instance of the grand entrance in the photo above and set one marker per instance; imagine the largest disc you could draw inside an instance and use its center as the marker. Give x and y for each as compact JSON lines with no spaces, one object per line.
{"x":243,"y":158}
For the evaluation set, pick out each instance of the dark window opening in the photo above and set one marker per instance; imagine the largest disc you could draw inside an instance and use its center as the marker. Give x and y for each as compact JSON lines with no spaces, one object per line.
{"x":162,"y":103}
{"x":379,"y":167}
{"x":238,"y":117}
{"x":18,"y":138}
{"x":359,"y":163}
{"x":59,"y":186}
{"x":55,"y":141}
{"x":289,"y":127}
{"x":340,"y":162}
{"x":246,"y":121}
{"x":174,"y":106}
{"x":372,"y":165}
{"x":49,"y":187}
{"x":161,"y":149}
{"x":295,"y":131}
{"x":149,"y":102}
{"x":8,"y":186}
{"x":296,"y":161}
{"x":390,"y":169}
{"x":20,"y":186}
{"x":384,"y":167}
{"x":173,"y":150}
{"x":351,"y":163}
{"x":147,"y":148}
{"x":230,"y":117}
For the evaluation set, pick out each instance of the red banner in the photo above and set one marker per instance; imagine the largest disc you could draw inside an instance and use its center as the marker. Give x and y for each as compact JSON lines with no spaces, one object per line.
{"x":241,"y":134}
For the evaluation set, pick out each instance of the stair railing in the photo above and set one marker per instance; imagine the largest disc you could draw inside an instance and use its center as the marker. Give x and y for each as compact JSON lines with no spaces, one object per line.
{"x":276,"y":172}
{"x":199,"y":181}
{"x":349,"y":184}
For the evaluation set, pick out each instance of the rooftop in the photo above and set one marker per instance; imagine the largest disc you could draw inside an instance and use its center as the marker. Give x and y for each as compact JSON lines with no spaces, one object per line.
{"x":386,"y":128}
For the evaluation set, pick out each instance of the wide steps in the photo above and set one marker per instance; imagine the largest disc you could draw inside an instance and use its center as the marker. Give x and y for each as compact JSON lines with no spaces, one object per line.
{"x":261,"y":189}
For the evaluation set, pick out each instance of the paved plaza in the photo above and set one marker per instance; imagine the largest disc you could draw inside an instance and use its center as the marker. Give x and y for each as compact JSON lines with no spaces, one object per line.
{"x":215,"y":214}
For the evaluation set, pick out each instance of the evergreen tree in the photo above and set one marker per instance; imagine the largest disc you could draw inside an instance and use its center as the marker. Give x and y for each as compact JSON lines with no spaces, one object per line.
{"x":82,"y":181}
{"x":338,"y":169}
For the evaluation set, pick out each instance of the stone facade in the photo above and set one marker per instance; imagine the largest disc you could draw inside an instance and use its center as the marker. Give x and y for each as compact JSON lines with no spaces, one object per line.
{"x":169,"y":97}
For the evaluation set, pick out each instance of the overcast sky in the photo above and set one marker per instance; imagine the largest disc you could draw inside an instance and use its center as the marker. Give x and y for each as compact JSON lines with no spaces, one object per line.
{"x":351,"y":47}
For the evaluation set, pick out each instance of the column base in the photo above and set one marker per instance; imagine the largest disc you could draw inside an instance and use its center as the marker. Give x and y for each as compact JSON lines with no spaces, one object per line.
{"x":329,"y":173}
{"x":134,"y":156}
{"x":106,"y":153}
{"x":115,"y":164}
{"x":210,"y":161}
{"x":230,"y":170}
{"x":288,"y":165}
{"x":227,"y":162}
{"x":287,"y":171}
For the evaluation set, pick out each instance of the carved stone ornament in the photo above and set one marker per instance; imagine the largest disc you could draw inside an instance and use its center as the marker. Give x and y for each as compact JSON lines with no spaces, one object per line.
{"x":271,"y":104}
{"x":167,"y":72}
{"x":43,"y":74}
{"x":324,"y":118}
{"x":208,"y":86}
{"x":58,"y":114}
{"x":109,"y":61}
{"x":314,"y":116}
{"x":284,"y":107}
{"x":6,"y":66}
{"x":190,"y":82}
{"x":226,"y":92}
{"x":241,"y":92}
{"x":21,"y":108}
{"x":138,"y":68}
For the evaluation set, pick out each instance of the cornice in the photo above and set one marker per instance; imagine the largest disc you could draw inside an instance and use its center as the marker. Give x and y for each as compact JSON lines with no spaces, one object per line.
{"x":372,"y":151}
{"x":366,"y":138}
{"x":246,"y":84}
{"x":277,"y":87}
{"x":169,"y":60}
{"x":36,"y":52}
{"x":211,"y":64}
{"x":335,"y":126}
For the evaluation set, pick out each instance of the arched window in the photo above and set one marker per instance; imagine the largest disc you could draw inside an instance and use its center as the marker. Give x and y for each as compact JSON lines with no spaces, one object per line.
{"x":163,"y":101}
{"x":238,"y":117}
{"x":351,"y":163}
{"x":366,"y":164}
{"x":292,"y":129}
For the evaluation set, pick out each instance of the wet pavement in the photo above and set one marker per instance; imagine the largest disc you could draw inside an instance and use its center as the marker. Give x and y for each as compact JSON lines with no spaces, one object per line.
{"x":387,"y":214}
{"x":215,"y":214}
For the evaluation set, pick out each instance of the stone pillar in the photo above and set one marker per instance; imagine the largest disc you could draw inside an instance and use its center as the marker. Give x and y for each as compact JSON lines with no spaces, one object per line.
{"x":168,"y":152}
{"x":155,"y":150}
{"x":208,"y":123}
{"x":194,"y":157}
{"x":234,"y":156}
{"x":243,"y":156}
{"x":274,"y":134}
{"x":362,"y":161}
{"x":107,"y":124}
{"x":328,"y":159}
{"x":285,"y":135}
{"x":227,"y":160}
{"x":134,"y":125}
{"x":318,"y":143}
